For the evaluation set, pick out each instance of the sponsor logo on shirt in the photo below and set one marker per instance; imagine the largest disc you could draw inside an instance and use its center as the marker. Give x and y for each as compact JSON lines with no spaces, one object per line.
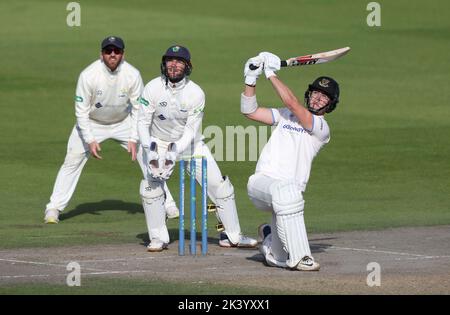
{"x":162,"y":117}
{"x":292,"y":128}
{"x":98,"y":105}
{"x":123,"y":93}
{"x":163,"y":104}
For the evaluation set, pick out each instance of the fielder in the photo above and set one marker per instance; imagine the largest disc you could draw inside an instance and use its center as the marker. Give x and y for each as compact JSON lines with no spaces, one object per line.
{"x":284,"y":166}
{"x":169,"y":123}
{"x":106,"y":107}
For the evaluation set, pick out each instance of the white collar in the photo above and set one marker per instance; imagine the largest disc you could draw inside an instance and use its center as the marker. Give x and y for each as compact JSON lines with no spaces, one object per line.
{"x":108,"y":71}
{"x":175,"y":86}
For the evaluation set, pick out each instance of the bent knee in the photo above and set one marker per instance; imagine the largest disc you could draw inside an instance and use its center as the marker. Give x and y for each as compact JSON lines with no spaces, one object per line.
{"x":151,"y":190}
{"x":74,"y":159}
{"x":287,"y":198}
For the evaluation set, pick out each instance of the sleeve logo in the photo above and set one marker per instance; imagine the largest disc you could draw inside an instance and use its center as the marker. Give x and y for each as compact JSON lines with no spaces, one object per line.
{"x":143,"y":101}
{"x":200,"y":109}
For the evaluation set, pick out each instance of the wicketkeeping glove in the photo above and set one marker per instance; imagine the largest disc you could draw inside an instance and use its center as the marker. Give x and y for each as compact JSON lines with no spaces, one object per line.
{"x":153,"y":160}
{"x":169,"y":162}
{"x":272,"y":63}
{"x":252,"y":75}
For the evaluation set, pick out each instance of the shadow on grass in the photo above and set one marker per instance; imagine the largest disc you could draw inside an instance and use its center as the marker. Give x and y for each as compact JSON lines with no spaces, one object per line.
{"x":105,"y":205}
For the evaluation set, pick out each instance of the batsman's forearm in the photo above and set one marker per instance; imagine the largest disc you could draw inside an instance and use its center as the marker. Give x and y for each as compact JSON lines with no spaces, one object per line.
{"x":291,"y":102}
{"x":249,"y":91}
{"x":284,"y":92}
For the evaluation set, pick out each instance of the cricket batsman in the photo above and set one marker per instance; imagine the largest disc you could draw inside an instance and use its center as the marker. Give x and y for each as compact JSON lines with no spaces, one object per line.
{"x":169,"y":127}
{"x":284,"y":166}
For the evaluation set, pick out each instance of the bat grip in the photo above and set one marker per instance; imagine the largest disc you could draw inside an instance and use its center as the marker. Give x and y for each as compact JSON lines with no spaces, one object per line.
{"x":253,"y":67}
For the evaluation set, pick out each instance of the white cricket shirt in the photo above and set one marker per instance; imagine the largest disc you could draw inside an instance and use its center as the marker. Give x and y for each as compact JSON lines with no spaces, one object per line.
{"x":107,"y":97}
{"x":291,"y":148}
{"x":171,"y":112}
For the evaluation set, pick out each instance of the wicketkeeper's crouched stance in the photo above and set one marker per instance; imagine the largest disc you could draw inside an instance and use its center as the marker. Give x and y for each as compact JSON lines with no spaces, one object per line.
{"x":169,"y":123}
{"x":284,"y":166}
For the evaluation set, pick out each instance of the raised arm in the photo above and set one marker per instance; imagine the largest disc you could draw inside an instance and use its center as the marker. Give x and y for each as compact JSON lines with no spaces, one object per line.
{"x":292,"y":103}
{"x":249,"y":105}
{"x":271,"y":65}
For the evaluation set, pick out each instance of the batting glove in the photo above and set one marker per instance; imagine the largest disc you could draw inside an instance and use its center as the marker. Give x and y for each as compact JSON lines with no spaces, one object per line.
{"x":251,"y":75}
{"x":272,"y":63}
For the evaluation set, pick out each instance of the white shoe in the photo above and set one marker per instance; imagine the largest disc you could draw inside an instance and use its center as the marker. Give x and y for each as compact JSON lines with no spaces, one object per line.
{"x":156,"y":246}
{"x":263,"y":231}
{"x":244,"y":241}
{"x":308,"y":264}
{"x":172,"y":212}
{"x":51,"y":216}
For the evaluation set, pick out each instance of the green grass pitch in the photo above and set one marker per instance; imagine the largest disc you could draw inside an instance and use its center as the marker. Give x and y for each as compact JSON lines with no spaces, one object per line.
{"x":388,"y":162}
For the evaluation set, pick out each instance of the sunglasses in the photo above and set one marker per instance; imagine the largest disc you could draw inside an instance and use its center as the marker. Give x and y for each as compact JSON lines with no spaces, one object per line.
{"x":108,"y":51}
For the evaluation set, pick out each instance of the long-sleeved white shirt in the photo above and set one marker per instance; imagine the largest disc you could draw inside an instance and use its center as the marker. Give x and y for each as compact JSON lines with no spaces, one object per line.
{"x":107,"y":97}
{"x":291,"y":148}
{"x":172,"y":113}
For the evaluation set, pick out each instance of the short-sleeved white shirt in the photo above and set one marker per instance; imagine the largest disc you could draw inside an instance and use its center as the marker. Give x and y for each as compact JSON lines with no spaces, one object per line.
{"x":289,"y":153}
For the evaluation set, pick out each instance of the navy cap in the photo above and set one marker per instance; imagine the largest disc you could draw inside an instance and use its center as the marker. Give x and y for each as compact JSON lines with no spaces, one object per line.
{"x":113,"y":41}
{"x":178,"y":51}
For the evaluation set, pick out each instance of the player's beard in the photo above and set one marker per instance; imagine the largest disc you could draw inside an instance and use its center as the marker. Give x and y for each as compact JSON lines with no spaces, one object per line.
{"x":175,"y":75}
{"x":112,"y":62}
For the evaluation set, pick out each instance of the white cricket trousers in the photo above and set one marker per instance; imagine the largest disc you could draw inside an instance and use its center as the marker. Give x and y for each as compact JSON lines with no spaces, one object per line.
{"x":259,"y":192}
{"x":77,"y":155}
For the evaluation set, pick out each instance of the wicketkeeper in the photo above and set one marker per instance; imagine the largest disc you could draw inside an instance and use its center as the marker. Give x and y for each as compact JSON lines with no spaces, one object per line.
{"x":169,"y":124}
{"x":284,"y":165}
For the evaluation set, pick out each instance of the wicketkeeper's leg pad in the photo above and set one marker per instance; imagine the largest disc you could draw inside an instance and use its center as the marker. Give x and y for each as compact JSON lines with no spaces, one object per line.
{"x":226,"y":210}
{"x":153,"y":199}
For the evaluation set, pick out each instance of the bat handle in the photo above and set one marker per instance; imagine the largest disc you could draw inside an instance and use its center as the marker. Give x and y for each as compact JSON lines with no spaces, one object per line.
{"x":253,"y":67}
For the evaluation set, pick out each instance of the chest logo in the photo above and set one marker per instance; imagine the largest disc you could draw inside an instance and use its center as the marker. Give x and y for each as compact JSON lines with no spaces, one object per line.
{"x":293,"y":128}
{"x":163,"y":104}
{"x":123,"y":93}
{"x":162,"y":117}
